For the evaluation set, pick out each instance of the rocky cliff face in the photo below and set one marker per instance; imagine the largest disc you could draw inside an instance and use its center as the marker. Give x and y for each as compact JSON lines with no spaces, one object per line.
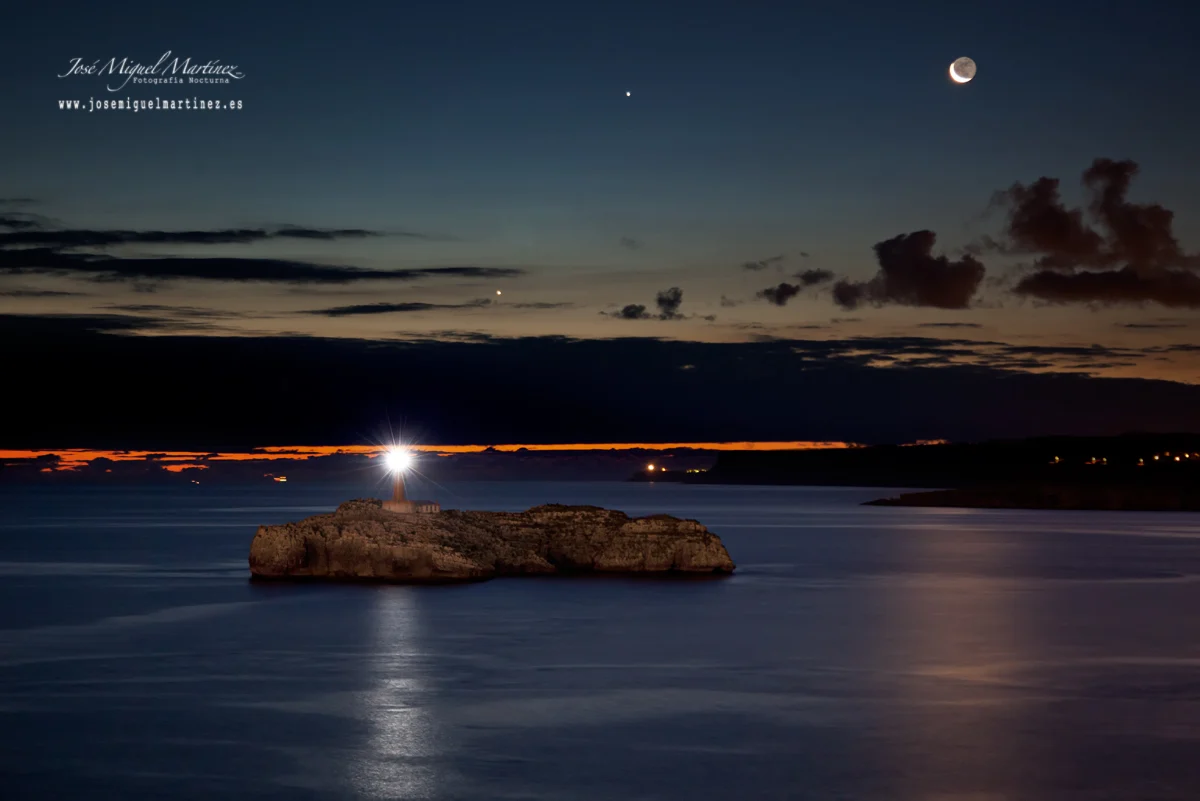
{"x":362,"y":541}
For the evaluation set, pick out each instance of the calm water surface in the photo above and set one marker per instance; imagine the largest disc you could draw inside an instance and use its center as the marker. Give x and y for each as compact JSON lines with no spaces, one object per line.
{"x":858,"y":653}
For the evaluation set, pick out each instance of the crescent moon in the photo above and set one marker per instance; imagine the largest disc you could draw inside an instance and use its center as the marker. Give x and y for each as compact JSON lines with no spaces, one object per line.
{"x":956,"y":77}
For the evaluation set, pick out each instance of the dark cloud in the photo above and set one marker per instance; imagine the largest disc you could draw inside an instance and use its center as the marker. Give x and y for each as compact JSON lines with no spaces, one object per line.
{"x":1116,"y":252}
{"x":23,"y":222}
{"x":1172,"y":288}
{"x":1139,"y":235}
{"x":814,"y":277}
{"x":540,"y":305}
{"x":47,"y":261}
{"x":186,"y":312}
{"x":762,"y":264}
{"x":61,"y":239}
{"x":949,"y":325}
{"x":1039,"y":224}
{"x":75,"y":324}
{"x":38,"y":293}
{"x":448,"y":336}
{"x":1163,"y":324}
{"x":910,"y":275}
{"x":784,"y":292}
{"x":629,"y":243}
{"x":18,"y":222}
{"x":668,"y":302}
{"x":729,"y":302}
{"x":779,"y":295}
{"x":612,"y":390}
{"x":31,"y":245}
{"x":297,"y":232}
{"x":394,"y":308}
{"x":633,"y":311}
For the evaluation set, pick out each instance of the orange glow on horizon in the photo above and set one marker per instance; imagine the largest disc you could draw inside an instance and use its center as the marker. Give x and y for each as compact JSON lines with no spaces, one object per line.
{"x":177,"y":461}
{"x":179,"y":468}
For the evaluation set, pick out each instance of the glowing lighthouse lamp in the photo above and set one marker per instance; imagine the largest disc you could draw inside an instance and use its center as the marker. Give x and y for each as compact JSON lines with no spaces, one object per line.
{"x":399,"y":461}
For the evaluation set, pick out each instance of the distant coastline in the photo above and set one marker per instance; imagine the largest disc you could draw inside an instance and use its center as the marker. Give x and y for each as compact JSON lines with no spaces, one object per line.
{"x":1134,"y":472}
{"x":1062,"y":497}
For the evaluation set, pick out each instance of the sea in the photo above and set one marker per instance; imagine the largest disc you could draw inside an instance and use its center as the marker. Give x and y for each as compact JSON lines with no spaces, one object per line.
{"x":858,"y":652}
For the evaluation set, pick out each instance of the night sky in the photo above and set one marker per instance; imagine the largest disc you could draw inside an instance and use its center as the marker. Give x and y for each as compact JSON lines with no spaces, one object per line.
{"x":795,"y":225}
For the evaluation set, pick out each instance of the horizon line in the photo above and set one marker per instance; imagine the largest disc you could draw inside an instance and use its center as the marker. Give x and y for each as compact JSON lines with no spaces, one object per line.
{"x":70,"y":458}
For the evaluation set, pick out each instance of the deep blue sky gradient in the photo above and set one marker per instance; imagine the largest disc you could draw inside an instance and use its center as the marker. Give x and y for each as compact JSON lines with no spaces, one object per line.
{"x":485,"y":119}
{"x":502,"y":135}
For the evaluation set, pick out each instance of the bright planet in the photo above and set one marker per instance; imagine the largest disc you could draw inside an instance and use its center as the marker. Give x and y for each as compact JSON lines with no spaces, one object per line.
{"x":962,"y":70}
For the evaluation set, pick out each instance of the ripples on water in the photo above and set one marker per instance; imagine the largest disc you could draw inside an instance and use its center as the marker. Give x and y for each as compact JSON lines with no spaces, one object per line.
{"x":859,"y":652}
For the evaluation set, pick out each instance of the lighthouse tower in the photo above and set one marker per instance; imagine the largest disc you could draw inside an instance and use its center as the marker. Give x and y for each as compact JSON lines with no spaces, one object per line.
{"x":400,"y":503}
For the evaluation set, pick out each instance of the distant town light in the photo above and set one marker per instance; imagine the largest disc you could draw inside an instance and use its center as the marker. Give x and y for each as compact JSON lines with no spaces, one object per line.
{"x":1177,"y":458}
{"x":650,"y":467}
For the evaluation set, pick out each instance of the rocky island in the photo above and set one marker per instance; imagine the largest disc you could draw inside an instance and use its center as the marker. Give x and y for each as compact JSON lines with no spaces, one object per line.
{"x":362,"y":540}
